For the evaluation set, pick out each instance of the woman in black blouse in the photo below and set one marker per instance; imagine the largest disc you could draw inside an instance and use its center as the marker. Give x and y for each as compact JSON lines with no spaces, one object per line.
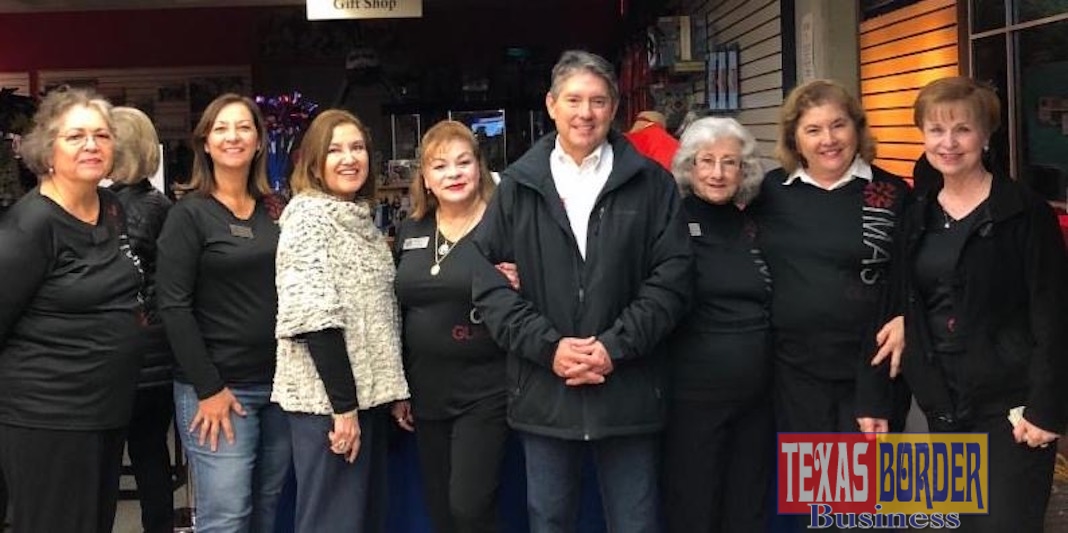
{"x":455,"y":370}
{"x":987,"y":310}
{"x":216,"y":285}
{"x":720,"y":428}
{"x":67,"y":321}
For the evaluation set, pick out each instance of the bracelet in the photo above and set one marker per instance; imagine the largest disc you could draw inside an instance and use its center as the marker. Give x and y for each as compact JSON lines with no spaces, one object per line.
{"x":347,"y":414}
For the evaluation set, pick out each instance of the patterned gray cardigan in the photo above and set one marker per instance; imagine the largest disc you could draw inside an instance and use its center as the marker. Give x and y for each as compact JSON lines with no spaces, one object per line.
{"x":334,"y":270}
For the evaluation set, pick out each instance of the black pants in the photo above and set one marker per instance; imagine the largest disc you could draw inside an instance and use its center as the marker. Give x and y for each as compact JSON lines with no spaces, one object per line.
{"x":805,"y":403}
{"x":153,"y":410}
{"x":717,"y":462}
{"x":1020,"y":481}
{"x":460,"y":459}
{"x":62,"y":480}
{"x":3,"y":500}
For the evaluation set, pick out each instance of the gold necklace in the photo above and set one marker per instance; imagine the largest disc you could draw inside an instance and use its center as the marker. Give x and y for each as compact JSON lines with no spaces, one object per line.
{"x":443,"y":249}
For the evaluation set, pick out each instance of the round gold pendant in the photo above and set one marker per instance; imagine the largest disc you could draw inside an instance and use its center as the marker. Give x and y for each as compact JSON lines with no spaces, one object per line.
{"x":434,"y":270}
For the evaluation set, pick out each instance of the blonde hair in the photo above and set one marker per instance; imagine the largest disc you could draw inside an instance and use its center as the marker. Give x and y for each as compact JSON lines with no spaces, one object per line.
{"x":433,"y":142}
{"x":814,"y":94}
{"x":308,"y":174}
{"x":136,"y":146}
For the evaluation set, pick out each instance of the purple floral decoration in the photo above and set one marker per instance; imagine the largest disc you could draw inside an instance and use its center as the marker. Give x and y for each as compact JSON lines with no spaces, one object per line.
{"x":287,"y":116}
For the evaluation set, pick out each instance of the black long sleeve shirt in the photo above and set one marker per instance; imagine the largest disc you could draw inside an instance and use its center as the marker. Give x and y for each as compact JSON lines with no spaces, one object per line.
{"x":721,"y":351}
{"x":67,"y":317}
{"x":215,"y":284}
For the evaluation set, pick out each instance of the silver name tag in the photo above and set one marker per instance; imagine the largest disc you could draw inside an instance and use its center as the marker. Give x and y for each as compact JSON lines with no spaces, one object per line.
{"x":695,"y":229}
{"x":416,"y":243}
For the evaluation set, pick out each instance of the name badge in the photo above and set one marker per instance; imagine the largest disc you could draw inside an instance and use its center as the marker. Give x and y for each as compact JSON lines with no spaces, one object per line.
{"x":416,"y":243}
{"x":695,"y":229}
{"x":243,"y":232}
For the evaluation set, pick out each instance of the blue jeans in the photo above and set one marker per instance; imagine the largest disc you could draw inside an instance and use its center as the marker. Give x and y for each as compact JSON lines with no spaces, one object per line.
{"x":626,"y":473}
{"x":238,"y":485}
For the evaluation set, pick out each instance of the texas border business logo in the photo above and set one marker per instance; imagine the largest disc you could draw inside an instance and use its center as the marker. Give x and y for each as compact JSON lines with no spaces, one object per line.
{"x":884,"y":481}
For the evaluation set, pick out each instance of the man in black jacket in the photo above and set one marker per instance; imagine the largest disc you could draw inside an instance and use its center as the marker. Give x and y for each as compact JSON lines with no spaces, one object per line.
{"x":603,"y":257}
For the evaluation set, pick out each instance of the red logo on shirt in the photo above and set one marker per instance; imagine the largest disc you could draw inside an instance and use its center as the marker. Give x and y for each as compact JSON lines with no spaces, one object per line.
{"x":881,"y":195}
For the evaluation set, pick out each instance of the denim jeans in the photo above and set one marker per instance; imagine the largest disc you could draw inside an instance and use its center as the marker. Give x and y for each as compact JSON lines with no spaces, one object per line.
{"x":237,"y":486}
{"x":626,"y":473}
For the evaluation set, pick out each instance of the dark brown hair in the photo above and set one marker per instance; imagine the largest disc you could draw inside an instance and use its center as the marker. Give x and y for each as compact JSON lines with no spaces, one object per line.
{"x":315,"y":146}
{"x":203,"y":174}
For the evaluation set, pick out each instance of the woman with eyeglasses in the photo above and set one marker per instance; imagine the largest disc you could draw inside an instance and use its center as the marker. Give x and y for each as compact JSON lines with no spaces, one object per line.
{"x":717,"y":443}
{"x":68,"y":367}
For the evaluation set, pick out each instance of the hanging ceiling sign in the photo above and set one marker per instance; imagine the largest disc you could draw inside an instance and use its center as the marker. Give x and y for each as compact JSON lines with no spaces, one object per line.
{"x":364,"y":9}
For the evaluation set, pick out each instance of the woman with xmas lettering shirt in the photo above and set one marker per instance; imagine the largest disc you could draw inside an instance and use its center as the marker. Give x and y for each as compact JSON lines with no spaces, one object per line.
{"x":987,"y":315}
{"x":455,"y":369}
{"x":215,"y":285}
{"x":68,"y":321}
{"x":827,"y":222}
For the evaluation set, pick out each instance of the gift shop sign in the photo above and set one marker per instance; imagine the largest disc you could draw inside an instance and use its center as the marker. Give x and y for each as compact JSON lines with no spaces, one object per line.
{"x":364,"y":9}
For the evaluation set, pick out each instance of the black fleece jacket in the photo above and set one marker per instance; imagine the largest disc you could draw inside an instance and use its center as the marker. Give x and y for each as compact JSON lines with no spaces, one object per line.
{"x":1010,"y":290}
{"x":629,"y":292}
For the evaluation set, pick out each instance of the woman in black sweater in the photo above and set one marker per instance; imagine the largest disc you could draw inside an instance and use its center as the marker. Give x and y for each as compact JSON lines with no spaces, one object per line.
{"x":67,"y":321}
{"x":455,"y":370}
{"x":720,"y":428}
{"x":136,"y":158}
{"x":987,"y":316}
{"x":216,"y":284}
{"x":827,"y":226}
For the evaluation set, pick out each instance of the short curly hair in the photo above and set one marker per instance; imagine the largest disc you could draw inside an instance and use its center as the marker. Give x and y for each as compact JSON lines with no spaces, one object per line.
{"x":36,"y":148}
{"x":435,"y":140}
{"x":709,"y":130}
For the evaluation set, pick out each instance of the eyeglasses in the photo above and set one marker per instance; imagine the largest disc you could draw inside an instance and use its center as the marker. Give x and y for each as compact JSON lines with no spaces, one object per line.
{"x":78,"y":139}
{"x":726,"y":164}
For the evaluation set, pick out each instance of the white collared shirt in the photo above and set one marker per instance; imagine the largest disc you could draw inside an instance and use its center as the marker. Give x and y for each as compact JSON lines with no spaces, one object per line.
{"x":579,"y":185}
{"x":859,"y":169}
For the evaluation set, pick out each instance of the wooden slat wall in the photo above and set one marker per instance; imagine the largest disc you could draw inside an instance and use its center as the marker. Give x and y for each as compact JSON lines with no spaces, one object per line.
{"x":755,"y":25}
{"x":140,"y":87}
{"x":20,"y":81}
{"x":900,"y":52}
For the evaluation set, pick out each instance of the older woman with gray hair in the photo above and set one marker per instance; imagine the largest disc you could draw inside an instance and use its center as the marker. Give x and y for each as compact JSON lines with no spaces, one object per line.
{"x":67,"y":322}
{"x":720,"y":425}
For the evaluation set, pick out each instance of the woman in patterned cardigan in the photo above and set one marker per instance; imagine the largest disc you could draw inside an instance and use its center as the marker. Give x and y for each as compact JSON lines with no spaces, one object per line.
{"x":339,"y":359}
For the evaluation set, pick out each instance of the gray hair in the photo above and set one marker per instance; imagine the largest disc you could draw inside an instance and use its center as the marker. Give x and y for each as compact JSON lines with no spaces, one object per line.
{"x":36,"y":148}
{"x":705,"y":131}
{"x":575,"y":61}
